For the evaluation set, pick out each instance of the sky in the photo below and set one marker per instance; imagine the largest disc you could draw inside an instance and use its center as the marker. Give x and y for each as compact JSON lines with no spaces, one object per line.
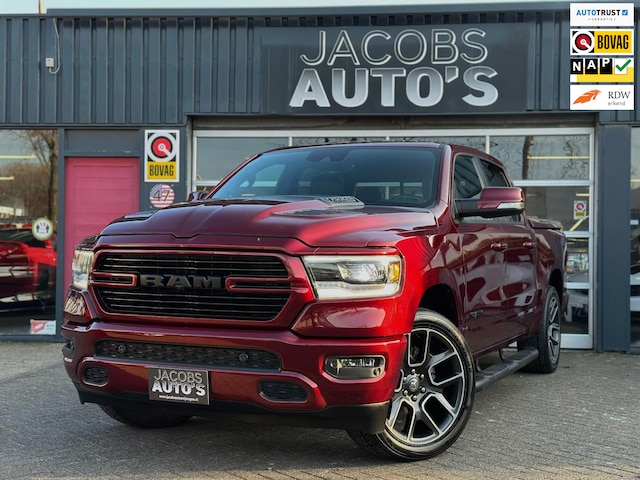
{"x":31,"y":6}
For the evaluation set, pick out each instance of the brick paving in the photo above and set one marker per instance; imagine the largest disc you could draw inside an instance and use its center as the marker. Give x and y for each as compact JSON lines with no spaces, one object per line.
{"x":582,"y":422}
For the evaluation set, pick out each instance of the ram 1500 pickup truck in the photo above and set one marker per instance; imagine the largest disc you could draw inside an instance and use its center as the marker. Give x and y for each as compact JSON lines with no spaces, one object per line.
{"x":353,"y":286}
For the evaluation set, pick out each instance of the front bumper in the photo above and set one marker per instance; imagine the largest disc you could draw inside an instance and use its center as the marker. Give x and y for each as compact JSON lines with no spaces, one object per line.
{"x":368,"y":418}
{"x":307,"y":395}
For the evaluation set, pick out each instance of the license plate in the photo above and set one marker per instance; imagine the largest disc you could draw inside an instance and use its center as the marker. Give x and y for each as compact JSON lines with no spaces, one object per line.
{"x":179,"y":385}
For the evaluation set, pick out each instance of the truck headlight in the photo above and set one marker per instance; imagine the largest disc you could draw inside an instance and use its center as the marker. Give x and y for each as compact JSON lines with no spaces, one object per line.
{"x":80,"y":268}
{"x":338,"y":276}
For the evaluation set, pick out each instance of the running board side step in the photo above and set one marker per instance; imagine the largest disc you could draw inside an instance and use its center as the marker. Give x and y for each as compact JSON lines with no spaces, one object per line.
{"x":510,"y":364}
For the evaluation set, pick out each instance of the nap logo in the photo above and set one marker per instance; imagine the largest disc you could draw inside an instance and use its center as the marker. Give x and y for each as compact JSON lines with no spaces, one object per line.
{"x":161,"y":155}
{"x":602,"y":69}
{"x":601,"y":42}
{"x":591,"y":66}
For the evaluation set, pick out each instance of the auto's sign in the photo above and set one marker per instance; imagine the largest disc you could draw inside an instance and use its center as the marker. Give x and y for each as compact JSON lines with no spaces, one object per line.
{"x":395,"y":70}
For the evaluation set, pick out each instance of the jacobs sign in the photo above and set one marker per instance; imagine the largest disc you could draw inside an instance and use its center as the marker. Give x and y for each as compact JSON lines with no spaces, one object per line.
{"x":395,"y":70}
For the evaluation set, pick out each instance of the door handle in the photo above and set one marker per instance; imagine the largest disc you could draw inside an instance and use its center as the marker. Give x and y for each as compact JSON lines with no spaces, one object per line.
{"x":499,"y":246}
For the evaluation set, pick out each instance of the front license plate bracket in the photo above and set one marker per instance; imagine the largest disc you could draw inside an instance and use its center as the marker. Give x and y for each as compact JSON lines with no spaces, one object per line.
{"x":179,"y":385}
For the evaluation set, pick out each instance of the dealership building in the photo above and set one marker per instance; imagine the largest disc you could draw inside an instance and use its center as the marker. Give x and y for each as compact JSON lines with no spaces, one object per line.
{"x":149,"y":105}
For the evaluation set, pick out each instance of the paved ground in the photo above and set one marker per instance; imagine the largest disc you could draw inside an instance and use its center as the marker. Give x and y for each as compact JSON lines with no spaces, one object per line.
{"x":582,"y":422}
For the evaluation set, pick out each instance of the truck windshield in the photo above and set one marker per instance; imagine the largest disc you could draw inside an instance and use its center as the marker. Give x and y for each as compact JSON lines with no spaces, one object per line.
{"x":376,"y":175}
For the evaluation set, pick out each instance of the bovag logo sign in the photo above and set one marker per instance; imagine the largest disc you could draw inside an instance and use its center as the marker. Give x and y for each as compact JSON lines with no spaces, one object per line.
{"x":161,"y":155}
{"x":601,"y":42}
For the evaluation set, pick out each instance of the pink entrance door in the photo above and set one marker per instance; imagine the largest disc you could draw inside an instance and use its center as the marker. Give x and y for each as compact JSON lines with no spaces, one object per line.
{"x":97,"y":191}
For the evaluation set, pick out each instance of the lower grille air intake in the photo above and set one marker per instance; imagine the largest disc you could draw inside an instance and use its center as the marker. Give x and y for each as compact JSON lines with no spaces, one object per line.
{"x":246,"y":359}
{"x":95,"y":375}
{"x":278,"y":391}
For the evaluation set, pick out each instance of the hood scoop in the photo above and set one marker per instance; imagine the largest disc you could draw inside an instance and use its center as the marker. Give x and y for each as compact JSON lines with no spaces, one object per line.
{"x":337,"y":206}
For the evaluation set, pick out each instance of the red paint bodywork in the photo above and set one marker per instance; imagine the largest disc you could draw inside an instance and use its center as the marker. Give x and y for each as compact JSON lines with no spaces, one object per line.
{"x":496,"y":277}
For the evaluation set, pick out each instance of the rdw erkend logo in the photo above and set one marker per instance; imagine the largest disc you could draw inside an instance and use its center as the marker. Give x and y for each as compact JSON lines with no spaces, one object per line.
{"x":587,"y":96}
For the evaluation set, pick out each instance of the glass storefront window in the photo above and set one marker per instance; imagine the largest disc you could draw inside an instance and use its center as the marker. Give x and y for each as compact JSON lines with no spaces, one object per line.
{"x":568,"y":205}
{"x":28,"y":244}
{"x":218,"y":156}
{"x":578,"y":282}
{"x":543,"y":157}
{"x":298,"y":141}
{"x":479,"y":143}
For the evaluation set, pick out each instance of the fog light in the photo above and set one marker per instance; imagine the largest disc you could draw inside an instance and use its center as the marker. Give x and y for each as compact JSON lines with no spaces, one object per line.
{"x":354,"y":368}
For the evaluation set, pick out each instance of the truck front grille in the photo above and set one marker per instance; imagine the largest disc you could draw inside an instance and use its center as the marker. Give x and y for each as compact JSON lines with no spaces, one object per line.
{"x":191,"y":284}
{"x":242,"y":358}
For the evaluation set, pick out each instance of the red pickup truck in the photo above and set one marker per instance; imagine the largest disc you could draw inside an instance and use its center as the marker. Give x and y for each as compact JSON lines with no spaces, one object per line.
{"x":351,"y":286}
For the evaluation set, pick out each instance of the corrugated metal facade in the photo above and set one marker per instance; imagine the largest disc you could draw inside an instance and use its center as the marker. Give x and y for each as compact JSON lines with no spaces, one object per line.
{"x":157,"y":70}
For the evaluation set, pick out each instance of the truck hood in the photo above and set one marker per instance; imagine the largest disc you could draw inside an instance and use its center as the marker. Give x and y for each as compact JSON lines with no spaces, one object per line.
{"x":315,"y":221}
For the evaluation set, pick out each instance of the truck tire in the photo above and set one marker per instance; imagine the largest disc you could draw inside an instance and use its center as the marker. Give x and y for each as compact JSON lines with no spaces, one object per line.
{"x":547,"y":338}
{"x":146,"y":418}
{"x":435,"y":393}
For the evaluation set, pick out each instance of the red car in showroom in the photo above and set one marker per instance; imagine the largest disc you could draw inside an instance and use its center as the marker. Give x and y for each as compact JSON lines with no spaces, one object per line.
{"x":27,"y":266}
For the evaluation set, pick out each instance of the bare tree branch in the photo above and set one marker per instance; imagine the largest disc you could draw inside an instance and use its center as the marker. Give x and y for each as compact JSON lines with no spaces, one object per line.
{"x":35,"y":188}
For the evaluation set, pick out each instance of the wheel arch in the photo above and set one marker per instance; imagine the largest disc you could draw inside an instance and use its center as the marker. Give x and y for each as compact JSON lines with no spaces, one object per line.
{"x":556,"y":280}
{"x":441,"y":299}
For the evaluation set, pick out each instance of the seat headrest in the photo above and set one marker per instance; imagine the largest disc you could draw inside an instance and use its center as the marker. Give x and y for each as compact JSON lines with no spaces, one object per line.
{"x":328,"y":184}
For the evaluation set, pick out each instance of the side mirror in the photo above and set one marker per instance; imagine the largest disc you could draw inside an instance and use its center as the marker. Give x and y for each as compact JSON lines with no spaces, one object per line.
{"x":493,"y":202}
{"x":197,"y":196}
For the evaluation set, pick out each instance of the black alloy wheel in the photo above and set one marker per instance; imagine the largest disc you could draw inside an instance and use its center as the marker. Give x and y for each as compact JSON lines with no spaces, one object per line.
{"x":433,"y":401}
{"x":547,"y":337}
